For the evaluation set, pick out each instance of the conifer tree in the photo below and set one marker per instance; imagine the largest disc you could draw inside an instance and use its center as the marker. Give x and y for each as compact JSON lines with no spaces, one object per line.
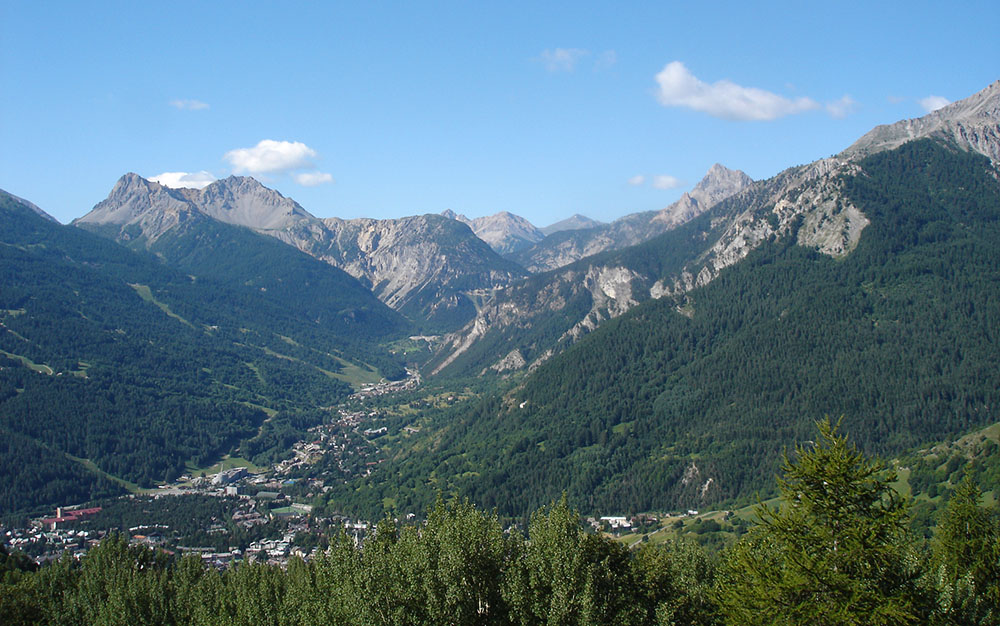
{"x":967,"y":559}
{"x":836,"y":551}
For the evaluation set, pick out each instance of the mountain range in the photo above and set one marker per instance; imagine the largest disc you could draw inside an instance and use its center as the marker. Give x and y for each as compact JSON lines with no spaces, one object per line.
{"x":424,"y":267}
{"x":863,"y":286}
{"x":434,"y":269}
{"x":659,"y":360}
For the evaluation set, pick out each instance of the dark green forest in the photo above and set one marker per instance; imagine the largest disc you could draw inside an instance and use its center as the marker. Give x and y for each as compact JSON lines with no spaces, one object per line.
{"x":659,"y":410}
{"x":108,"y":356}
{"x":837,"y":551}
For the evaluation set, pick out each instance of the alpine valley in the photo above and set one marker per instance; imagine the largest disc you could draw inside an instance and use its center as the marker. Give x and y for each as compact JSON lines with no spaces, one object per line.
{"x":663,"y":361}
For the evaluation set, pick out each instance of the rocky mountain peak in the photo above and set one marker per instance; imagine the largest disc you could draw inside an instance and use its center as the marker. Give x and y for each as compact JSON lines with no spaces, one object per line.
{"x":458,"y":217}
{"x":132,"y":183}
{"x":503,"y":231}
{"x":244,"y":201}
{"x":719,"y":183}
{"x":972,"y":123}
{"x":134,"y":199}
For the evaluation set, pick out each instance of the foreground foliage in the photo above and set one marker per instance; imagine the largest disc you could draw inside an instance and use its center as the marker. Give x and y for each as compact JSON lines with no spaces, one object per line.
{"x":837,"y":551}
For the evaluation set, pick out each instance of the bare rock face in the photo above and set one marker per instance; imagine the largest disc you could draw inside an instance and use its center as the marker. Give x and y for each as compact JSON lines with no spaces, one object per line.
{"x":972,"y":124}
{"x":511,"y":362}
{"x":504,"y":232}
{"x":424,"y":266}
{"x":242,"y":201}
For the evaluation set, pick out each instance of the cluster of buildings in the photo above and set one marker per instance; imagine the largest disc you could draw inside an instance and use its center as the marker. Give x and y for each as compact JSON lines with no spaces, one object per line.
{"x":342,"y":444}
{"x":412,"y":381}
{"x":46,"y":545}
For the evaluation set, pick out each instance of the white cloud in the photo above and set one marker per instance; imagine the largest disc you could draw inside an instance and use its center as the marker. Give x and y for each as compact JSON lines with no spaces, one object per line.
{"x":637,"y":180}
{"x":271,"y":156}
{"x":189,"y":105}
{"x":176,"y":180}
{"x":562,"y":59}
{"x":312,"y":179}
{"x":665,"y":181}
{"x":725,"y":99}
{"x":933,"y":103}
{"x":840,"y":109}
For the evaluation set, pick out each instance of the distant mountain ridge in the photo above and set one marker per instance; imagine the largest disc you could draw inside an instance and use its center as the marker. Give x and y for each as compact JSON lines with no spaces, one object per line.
{"x":564,"y":247}
{"x":423,"y":266}
{"x":573,"y":222}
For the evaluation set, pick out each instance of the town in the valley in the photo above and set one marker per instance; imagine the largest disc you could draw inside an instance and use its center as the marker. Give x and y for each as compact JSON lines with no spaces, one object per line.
{"x":239,"y":512}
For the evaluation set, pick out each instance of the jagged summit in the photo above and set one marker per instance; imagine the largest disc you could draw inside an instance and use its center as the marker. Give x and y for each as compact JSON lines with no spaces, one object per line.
{"x":239,"y":200}
{"x":135,"y":200}
{"x":719,"y":183}
{"x":973,"y":123}
{"x":503,"y":231}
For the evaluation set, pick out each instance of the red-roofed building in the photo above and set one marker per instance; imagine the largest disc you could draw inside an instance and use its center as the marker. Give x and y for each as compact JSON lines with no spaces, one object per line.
{"x":73,"y":515}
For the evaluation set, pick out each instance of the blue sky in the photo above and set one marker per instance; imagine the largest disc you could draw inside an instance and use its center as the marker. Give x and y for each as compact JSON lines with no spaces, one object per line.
{"x":381,"y":109}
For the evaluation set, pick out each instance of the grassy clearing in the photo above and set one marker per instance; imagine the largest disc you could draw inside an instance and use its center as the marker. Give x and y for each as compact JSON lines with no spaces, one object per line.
{"x":91,"y":467}
{"x":355,"y":375}
{"x":410,"y":347}
{"x":147,"y":295}
{"x":227,"y":462}
{"x":267,"y":410}
{"x":37,"y":367}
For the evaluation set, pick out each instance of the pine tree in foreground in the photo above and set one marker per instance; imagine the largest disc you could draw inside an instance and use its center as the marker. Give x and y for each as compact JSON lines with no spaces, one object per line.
{"x":837,"y":551}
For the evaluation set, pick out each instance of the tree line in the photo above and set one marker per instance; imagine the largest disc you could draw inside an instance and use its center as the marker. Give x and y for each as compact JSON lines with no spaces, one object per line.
{"x":837,"y":550}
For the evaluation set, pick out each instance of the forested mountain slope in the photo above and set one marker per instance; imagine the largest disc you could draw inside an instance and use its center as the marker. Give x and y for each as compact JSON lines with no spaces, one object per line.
{"x":108,"y":355}
{"x":689,"y":400}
